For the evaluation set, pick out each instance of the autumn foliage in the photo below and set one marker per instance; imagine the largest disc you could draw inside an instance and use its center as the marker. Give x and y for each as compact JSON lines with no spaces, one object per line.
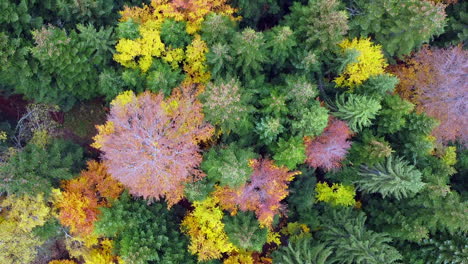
{"x":268,"y":185}
{"x":329,"y":149}
{"x":152,"y":146}
{"x":79,"y":203}
{"x":435,"y":80}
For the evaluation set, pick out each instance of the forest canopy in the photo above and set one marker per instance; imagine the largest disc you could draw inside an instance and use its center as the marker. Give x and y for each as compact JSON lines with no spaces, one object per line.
{"x":233,"y":131}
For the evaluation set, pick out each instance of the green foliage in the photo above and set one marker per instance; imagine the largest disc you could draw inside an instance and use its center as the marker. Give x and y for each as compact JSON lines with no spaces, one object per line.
{"x":220,"y":60}
{"x":456,"y":31}
{"x":173,"y":34}
{"x":68,"y":64}
{"x":143,"y":233}
{"x":377,"y":85}
{"x":244,"y":231}
{"x":394,"y":177}
{"x":290,"y":153}
{"x":228,"y":166}
{"x":399,"y":26}
{"x":274,"y":104}
{"x":250,"y":53}
{"x":303,"y":251}
{"x":127,"y":30}
{"x":319,"y":25}
{"x":301,"y":199}
{"x":162,"y":77}
{"x":368,"y":149}
{"x":255,"y":11}
{"x":226,"y":105}
{"x":217,"y":28}
{"x":408,"y":219}
{"x":447,"y":248}
{"x":269,"y":129}
{"x":280,"y":42}
{"x":300,"y":91}
{"x":199,"y":190}
{"x":83,"y":118}
{"x":35,"y":169}
{"x":392,"y":117}
{"x":345,"y":234}
{"x":310,"y":121}
{"x":357,"y":110}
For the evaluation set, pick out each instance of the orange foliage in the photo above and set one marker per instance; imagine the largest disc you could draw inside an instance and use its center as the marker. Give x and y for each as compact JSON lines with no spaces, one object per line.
{"x":79,"y":203}
{"x":263,"y":194}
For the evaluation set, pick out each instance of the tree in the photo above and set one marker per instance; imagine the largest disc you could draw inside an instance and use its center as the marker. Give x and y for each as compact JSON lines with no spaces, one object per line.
{"x":434,"y":79}
{"x":206,"y":230}
{"x":249,"y":50}
{"x":369,"y":62}
{"x":228,"y":166}
{"x":150,"y":144}
{"x":319,"y":25}
{"x":37,"y":170}
{"x":357,"y":110}
{"x":244,"y":231}
{"x":337,"y":194}
{"x":303,"y":251}
{"x":329,"y":149}
{"x":351,"y":242}
{"x":18,"y":244}
{"x":262,"y":194}
{"x":399,"y":26}
{"x":226,"y":105}
{"x":142,"y":232}
{"x":310,"y":121}
{"x":394,"y":177}
{"x":79,"y":203}
{"x":290,"y":153}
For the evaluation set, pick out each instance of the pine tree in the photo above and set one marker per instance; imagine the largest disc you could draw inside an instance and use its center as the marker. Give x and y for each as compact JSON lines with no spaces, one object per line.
{"x":345,"y":234}
{"x":394,"y":177}
{"x":357,"y":110}
{"x":303,"y":251}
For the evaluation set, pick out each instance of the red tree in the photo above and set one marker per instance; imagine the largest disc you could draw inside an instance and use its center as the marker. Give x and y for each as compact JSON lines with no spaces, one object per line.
{"x":436,"y":81}
{"x":329,"y":149}
{"x":152,"y":146}
{"x":267,"y":187}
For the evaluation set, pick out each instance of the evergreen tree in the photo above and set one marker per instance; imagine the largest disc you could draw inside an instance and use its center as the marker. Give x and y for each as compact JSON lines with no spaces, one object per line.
{"x":244,"y":231}
{"x":394,"y":177}
{"x":143,"y":233}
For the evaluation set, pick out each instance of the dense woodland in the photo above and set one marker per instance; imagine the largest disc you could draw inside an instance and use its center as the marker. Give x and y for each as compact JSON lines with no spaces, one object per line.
{"x":243,"y":131}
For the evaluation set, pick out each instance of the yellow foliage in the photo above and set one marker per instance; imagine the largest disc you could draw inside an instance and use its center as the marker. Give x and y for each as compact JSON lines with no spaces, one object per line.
{"x":17,"y":242}
{"x":206,"y":230}
{"x":273,"y":237}
{"x":337,"y":194}
{"x":3,"y":136}
{"x":16,"y":246}
{"x":124,"y":98}
{"x":106,"y":129}
{"x":102,"y":255}
{"x":195,"y":61}
{"x":370,"y":62}
{"x":26,"y":212}
{"x":40,"y":138}
{"x":239,"y":258}
{"x":296,"y":231}
{"x":174,"y":57}
{"x":450,"y":156}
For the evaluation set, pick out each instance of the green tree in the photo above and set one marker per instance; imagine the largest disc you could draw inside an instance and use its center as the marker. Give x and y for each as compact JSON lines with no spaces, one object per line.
{"x":357,"y":110}
{"x":244,"y":231}
{"x":394,"y":177}
{"x":142,"y":232}
{"x":303,"y":251}
{"x":35,"y":169}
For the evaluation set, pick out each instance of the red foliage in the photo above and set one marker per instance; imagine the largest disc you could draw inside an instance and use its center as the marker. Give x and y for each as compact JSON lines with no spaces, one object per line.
{"x":329,"y":149}
{"x":83,"y":196}
{"x":267,"y":187}
{"x":154,"y":149}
